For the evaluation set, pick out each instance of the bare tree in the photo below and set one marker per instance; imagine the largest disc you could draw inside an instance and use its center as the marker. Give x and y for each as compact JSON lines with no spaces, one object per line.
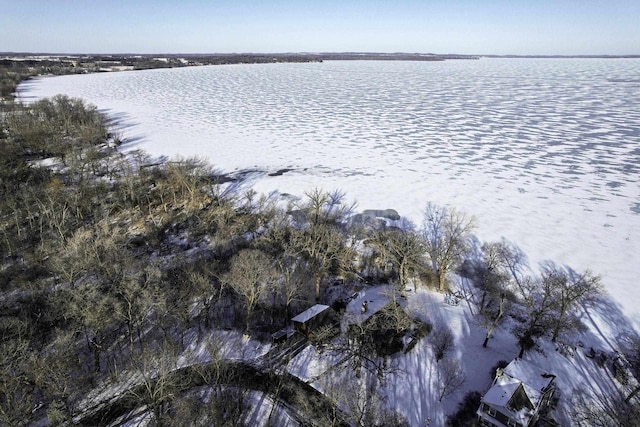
{"x":156,"y":385}
{"x":569,"y":290}
{"x":358,"y":348}
{"x":442,"y":341}
{"x":279,"y":242}
{"x":202,"y":284}
{"x":446,"y":232}
{"x":494,"y":281}
{"x":537,"y":298}
{"x":251,"y":277}
{"x":368,"y":344}
{"x":451,"y":377}
{"x":362,"y":401}
{"x":493,"y":319}
{"x":513,"y":259}
{"x":319,"y":238}
{"x":224,"y":402}
{"x":403,"y":249}
{"x":16,"y":389}
{"x":492,"y":272}
{"x":605,"y":411}
{"x":139,"y":300}
{"x":56,"y":126}
{"x":322,"y":207}
{"x":325,"y":249}
{"x":91,"y":310}
{"x":56,"y":375}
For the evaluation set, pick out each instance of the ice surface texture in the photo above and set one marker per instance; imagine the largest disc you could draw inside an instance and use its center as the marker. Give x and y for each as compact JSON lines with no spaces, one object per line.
{"x":545,"y":152}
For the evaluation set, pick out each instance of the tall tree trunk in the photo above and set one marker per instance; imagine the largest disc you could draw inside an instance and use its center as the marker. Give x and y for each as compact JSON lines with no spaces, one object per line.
{"x":484,"y":296}
{"x":317,"y":287}
{"x":287,"y":313}
{"x":494,"y":324}
{"x":403,"y":278}
{"x":556,"y":329}
{"x":140,"y":340}
{"x":207,"y":313}
{"x":441,"y":280}
{"x":96,"y":354}
{"x":247,"y":322}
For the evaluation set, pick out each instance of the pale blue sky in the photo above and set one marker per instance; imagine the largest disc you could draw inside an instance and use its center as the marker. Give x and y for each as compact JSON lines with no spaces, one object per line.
{"x":555,"y":27}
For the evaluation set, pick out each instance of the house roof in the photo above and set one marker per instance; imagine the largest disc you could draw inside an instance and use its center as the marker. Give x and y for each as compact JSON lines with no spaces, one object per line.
{"x":499,"y":395}
{"x":377,"y":298}
{"x":531,"y":375}
{"x":310,"y":313}
{"x":523,"y":376}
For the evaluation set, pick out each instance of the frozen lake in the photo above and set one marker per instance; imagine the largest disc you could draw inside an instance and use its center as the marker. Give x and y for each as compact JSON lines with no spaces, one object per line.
{"x":544,"y":152}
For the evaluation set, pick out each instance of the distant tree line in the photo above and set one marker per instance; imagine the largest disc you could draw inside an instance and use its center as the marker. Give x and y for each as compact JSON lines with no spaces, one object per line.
{"x":21,"y":66}
{"x":14,"y":71}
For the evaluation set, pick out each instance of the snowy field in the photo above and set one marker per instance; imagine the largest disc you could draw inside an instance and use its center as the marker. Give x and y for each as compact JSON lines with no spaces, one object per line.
{"x":545,"y":153}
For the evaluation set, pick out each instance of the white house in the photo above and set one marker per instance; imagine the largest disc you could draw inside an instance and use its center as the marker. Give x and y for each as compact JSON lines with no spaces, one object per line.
{"x":518,"y":395}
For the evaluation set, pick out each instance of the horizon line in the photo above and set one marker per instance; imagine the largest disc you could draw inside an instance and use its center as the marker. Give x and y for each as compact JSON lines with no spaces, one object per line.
{"x":602,"y":55}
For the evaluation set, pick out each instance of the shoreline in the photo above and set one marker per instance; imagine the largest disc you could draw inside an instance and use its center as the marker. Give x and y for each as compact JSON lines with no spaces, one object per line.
{"x":547,"y":224}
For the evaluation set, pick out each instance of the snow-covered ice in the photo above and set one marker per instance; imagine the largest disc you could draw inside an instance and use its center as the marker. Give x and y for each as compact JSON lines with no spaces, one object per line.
{"x":545,"y":153}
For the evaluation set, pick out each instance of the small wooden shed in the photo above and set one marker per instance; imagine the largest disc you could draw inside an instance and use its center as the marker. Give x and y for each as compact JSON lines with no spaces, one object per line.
{"x":313,"y":318}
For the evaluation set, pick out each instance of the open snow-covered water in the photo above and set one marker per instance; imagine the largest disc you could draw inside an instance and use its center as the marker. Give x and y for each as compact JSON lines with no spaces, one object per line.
{"x":544,"y":152}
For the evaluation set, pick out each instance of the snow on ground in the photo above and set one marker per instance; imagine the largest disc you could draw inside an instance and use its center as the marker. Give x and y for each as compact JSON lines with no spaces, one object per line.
{"x":415,"y":392}
{"x":412,"y":386}
{"x":260,"y":412}
{"x":226,"y":344}
{"x":312,"y":364}
{"x":542,"y":152}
